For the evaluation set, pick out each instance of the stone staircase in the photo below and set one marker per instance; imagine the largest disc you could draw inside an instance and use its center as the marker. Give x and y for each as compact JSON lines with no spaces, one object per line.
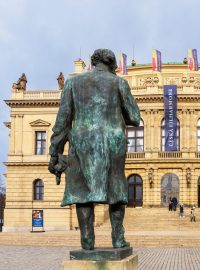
{"x":145,"y":227}
{"x":157,"y":219}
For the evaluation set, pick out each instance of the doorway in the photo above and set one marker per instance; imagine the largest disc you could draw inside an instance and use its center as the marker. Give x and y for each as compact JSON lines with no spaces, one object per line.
{"x":169,"y":188}
{"x":135,"y":191}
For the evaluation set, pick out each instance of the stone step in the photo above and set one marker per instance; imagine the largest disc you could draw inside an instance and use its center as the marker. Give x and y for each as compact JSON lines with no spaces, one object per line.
{"x":72,"y":239}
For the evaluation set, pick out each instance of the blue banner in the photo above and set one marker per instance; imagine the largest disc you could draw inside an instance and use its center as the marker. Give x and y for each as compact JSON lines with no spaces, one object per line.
{"x":37,"y":218}
{"x":170,"y":110}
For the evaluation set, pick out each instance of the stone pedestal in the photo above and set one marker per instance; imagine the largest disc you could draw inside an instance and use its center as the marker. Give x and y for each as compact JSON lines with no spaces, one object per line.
{"x":129,"y":263}
{"x":101,"y":254}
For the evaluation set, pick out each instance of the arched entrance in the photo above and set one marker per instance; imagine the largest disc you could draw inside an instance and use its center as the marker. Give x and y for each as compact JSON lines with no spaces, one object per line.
{"x":135,"y":191}
{"x":199,"y":192}
{"x":169,"y":188}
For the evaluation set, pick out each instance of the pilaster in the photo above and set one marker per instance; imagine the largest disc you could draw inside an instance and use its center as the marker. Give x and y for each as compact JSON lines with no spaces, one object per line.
{"x":12,"y":135}
{"x":19,"y":134}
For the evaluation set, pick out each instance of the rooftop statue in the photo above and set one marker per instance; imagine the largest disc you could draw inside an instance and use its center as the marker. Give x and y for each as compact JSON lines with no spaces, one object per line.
{"x":95,"y":108}
{"x":21,"y":83}
{"x":61,"y":81}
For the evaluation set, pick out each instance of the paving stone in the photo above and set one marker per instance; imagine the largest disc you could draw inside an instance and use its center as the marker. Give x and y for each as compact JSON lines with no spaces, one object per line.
{"x":50,"y":258}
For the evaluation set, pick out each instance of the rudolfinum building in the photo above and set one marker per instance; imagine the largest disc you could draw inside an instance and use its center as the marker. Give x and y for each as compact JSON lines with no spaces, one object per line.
{"x":153,"y":173}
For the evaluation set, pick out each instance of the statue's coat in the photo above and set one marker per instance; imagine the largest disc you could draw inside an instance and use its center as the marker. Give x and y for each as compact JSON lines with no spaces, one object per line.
{"x":94,"y":111}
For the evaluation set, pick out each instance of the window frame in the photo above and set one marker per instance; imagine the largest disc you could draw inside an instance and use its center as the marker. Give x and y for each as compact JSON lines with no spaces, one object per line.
{"x":135,"y":138}
{"x":43,"y":142}
{"x":40,"y":194}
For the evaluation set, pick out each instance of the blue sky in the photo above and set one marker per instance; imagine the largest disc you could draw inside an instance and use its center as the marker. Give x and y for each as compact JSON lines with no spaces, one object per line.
{"x":44,"y":37}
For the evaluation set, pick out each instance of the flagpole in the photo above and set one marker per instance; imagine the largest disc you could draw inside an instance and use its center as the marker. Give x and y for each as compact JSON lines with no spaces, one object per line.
{"x":133,"y":52}
{"x":80,"y":52}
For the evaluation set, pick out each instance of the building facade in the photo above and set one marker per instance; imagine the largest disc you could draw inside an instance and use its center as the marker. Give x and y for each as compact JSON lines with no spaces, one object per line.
{"x":153,"y":174}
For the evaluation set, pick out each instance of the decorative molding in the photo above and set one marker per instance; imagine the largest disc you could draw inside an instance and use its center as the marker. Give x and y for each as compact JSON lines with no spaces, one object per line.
{"x":26,"y":163}
{"x":140,"y":98}
{"x":40,"y":123}
{"x":30,"y":103}
{"x":147,"y":81}
{"x":159,"y":98}
{"x":172,"y":80}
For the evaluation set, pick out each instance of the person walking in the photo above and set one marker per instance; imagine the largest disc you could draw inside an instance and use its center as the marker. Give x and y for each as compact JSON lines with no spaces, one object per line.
{"x":170,"y":204}
{"x":181,"y":212}
{"x":192,"y":214}
{"x":174,"y":203}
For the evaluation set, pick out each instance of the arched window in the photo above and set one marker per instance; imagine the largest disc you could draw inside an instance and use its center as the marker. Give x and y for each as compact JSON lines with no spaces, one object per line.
{"x":135,"y":190}
{"x":38,"y":189}
{"x":136,"y":138}
{"x":198,"y":135}
{"x":163,"y":135}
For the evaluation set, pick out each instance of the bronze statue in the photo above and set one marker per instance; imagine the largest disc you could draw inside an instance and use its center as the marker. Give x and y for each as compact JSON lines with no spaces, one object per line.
{"x":61,"y":81}
{"x":21,"y":83}
{"x":94,"y":111}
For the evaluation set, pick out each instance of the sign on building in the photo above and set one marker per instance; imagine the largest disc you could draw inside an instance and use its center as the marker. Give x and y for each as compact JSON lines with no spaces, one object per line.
{"x":170,"y":113}
{"x":37,"y":219}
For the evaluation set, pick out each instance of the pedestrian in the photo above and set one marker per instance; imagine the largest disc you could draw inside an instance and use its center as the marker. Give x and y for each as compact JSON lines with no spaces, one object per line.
{"x":181,"y":212}
{"x":192,"y":214}
{"x":170,"y":204}
{"x":174,"y":203}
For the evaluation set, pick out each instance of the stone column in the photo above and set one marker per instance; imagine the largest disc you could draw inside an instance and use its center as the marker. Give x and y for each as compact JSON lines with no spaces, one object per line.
{"x":182,"y":187}
{"x":147,"y":129}
{"x":12,"y":135}
{"x":193,"y":187}
{"x":152,"y":130}
{"x":183,"y":134}
{"x":156,"y":131}
{"x":146,"y":190}
{"x":19,"y":134}
{"x":187,"y":135}
{"x":193,"y":131}
{"x":156,"y":188}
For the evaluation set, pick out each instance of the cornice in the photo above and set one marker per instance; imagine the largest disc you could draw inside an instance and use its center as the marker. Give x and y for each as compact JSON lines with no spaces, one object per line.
{"x":159,"y":98}
{"x":164,"y":66}
{"x":153,"y":98}
{"x":14,"y":103}
{"x":26,"y":163}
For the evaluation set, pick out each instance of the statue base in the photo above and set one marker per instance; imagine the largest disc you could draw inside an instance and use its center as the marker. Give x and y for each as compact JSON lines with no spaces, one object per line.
{"x":101,"y":254}
{"x":104,"y":258}
{"x":129,"y":263}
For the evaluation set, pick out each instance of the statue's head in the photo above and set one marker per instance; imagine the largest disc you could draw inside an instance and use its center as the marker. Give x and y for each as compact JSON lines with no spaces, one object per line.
{"x":106,"y":57}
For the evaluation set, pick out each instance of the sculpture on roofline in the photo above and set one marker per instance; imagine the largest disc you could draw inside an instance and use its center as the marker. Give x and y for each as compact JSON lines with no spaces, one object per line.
{"x":61,"y":81}
{"x":21,"y":83}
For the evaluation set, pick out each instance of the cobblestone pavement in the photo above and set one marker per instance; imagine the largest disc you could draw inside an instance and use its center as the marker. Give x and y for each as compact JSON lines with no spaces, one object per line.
{"x":50,"y":258}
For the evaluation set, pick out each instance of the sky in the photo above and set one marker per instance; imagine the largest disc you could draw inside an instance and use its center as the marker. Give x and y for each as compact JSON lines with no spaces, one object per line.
{"x":44,"y":37}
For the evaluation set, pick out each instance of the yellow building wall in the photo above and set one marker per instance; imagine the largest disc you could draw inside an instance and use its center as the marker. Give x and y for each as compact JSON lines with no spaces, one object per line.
{"x":33,"y":111}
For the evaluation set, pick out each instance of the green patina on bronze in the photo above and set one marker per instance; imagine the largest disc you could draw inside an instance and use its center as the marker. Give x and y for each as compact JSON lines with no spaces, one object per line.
{"x":94,"y":111}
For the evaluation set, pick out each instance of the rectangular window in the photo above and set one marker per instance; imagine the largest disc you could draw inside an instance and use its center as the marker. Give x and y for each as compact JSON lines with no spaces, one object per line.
{"x":40,"y":142}
{"x":135,"y":136}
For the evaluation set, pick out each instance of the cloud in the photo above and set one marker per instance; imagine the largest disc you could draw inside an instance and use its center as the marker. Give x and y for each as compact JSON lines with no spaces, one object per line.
{"x":42,"y":38}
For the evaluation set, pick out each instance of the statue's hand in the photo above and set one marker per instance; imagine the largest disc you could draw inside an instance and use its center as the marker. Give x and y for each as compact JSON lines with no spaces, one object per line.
{"x":52,"y":165}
